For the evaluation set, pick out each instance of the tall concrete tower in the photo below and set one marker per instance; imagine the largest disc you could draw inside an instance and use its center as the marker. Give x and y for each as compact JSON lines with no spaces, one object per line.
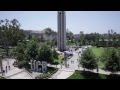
{"x":61,"y":41}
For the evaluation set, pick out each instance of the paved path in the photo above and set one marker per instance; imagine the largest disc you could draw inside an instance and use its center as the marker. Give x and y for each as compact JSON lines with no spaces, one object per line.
{"x":62,"y":74}
{"x":14,"y":72}
{"x":66,"y":72}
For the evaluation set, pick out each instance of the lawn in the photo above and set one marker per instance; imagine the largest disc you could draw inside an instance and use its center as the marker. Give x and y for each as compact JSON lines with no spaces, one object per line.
{"x":97,"y":51}
{"x":59,"y":60}
{"x":91,"y":75}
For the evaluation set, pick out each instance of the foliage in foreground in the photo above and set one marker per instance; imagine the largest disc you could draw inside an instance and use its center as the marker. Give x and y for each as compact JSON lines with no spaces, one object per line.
{"x":47,"y":75}
{"x":91,"y":75}
{"x":10,"y":33}
{"x":88,"y":60}
{"x":2,"y":77}
{"x":112,"y":61}
{"x":32,"y":51}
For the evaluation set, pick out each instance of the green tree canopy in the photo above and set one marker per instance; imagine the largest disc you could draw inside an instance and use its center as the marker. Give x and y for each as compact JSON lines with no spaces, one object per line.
{"x":45,"y":53}
{"x":113,"y":61}
{"x":31,"y":50}
{"x":88,"y":60}
{"x":20,"y":51}
{"x":10,"y":33}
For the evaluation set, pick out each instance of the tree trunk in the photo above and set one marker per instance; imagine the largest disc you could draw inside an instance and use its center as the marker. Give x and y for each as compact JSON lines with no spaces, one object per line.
{"x":84,"y":69}
{"x":1,"y":63}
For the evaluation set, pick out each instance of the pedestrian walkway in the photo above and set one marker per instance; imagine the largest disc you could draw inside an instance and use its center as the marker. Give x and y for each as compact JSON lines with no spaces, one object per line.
{"x":14,"y":72}
{"x":20,"y":75}
{"x":64,"y":72}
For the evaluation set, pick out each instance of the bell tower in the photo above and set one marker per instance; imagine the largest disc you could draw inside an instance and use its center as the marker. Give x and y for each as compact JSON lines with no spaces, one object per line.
{"x":61,"y":40}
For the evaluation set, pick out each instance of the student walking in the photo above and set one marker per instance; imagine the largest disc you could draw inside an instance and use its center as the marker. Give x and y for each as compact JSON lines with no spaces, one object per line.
{"x":97,"y":69}
{"x":68,"y":65}
{"x":9,"y":67}
{"x":6,"y":69}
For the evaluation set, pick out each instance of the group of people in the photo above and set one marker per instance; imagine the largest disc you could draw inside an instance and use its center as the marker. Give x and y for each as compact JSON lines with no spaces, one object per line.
{"x":72,"y":61}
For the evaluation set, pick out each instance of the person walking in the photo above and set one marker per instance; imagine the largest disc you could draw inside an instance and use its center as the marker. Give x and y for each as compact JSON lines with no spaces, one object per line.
{"x":9,"y":67}
{"x":97,"y":69}
{"x":3,"y":72}
{"x":78,"y":66}
{"x":6,"y":69}
{"x":68,"y":65}
{"x":61,"y":65}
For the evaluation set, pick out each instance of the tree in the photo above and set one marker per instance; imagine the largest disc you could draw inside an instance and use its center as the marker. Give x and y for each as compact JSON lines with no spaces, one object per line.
{"x":105,"y":55}
{"x":10,"y":33}
{"x":55,"y":54}
{"x":88,"y":60}
{"x":113,"y":62}
{"x":1,"y":62}
{"x":29,"y":37}
{"x":69,"y":35}
{"x":31,"y":50}
{"x":45,"y":53}
{"x":20,"y":55}
{"x":20,"y":51}
{"x":48,"y":31}
{"x":42,"y":38}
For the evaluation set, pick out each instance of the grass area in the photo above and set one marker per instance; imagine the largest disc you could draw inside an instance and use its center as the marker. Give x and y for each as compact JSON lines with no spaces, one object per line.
{"x":101,"y":64}
{"x":59,"y":60}
{"x":97,"y":51}
{"x":91,"y":75}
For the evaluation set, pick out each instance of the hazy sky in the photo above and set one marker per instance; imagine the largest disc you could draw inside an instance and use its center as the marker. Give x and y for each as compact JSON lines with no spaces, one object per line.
{"x":87,"y":21}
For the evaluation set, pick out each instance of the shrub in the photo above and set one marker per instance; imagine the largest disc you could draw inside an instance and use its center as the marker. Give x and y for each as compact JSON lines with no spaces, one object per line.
{"x":47,"y":75}
{"x":22,"y":64}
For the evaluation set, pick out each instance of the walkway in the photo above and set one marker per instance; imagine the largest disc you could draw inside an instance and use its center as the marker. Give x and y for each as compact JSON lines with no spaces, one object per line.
{"x":66,"y":72}
{"x":14,"y":72}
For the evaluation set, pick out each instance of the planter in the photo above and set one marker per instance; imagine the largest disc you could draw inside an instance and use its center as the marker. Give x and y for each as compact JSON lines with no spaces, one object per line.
{"x":46,"y":75}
